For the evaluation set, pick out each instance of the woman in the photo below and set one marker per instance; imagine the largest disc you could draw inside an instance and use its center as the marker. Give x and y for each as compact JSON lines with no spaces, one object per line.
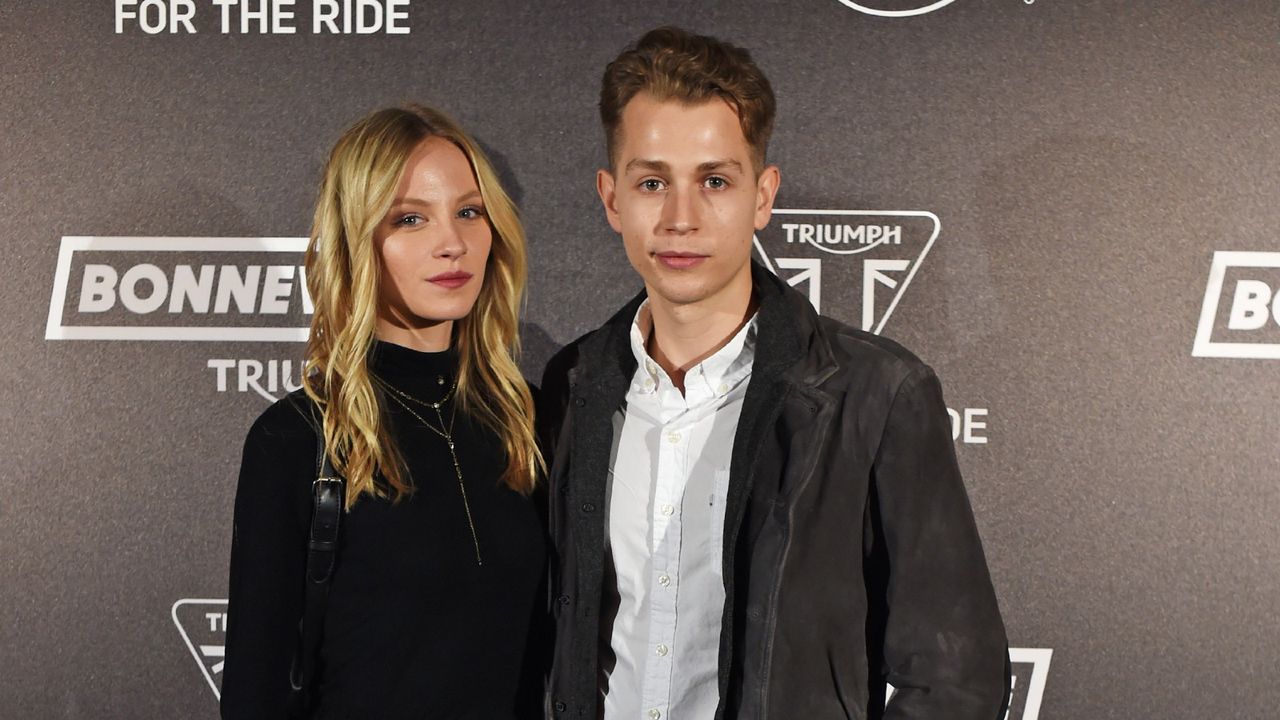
{"x":416,"y":268}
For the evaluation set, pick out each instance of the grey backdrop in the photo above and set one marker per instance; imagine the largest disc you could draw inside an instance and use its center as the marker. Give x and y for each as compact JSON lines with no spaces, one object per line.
{"x":1085,"y":160}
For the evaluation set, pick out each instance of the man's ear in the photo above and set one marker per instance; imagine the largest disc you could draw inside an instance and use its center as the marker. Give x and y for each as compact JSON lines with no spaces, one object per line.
{"x":766,"y":190}
{"x":607,"y":189}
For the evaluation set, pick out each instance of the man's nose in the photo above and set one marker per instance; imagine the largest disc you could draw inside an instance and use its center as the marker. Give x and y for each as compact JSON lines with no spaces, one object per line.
{"x":680,"y":212}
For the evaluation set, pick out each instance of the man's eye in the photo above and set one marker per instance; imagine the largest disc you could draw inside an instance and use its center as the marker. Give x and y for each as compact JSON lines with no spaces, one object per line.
{"x":717,"y":183}
{"x":651,"y":185}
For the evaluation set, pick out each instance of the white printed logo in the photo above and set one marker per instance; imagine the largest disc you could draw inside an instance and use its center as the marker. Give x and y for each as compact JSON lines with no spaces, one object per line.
{"x":884,"y":249}
{"x":1030,"y":672}
{"x":264,"y":378}
{"x":159,"y":288}
{"x":1240,"y":316}
{"x":898,"y":8}
{"x":203,"y":625}
{"x":969,"y":423}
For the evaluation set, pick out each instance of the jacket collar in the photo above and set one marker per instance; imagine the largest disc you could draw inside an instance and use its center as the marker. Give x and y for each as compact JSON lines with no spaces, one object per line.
{"x":789,"y":339}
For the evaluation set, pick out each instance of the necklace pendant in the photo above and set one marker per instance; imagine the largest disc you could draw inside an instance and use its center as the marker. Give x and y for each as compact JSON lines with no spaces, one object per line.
{"x":450,"y":444}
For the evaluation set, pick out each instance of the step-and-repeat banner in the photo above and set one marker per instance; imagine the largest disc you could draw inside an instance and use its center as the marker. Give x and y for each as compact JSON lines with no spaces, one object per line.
{"x":1067,"y":207}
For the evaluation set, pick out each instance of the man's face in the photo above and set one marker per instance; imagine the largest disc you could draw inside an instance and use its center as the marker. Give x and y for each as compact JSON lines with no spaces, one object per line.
{"x":685,"y":198}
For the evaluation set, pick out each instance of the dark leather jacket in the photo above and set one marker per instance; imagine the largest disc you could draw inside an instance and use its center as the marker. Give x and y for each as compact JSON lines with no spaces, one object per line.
{"x":851,"y":554}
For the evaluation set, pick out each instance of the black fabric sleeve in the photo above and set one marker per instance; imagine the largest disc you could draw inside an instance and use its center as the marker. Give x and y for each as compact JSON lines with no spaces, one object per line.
{"x":268,"y":561}
{"x":945,"y":648}
{"x":553,"y":399}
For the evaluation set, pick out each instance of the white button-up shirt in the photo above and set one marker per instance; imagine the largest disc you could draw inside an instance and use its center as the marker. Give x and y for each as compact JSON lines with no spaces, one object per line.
{"x":668,"y":480}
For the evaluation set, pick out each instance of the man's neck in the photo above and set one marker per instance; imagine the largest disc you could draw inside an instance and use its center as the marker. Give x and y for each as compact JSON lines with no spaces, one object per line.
{"x":684,"y":335}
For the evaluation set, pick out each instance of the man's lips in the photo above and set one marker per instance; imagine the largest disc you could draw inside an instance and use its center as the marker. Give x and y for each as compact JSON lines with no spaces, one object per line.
{"x":679,"y":260}
{"x":451,"y":280}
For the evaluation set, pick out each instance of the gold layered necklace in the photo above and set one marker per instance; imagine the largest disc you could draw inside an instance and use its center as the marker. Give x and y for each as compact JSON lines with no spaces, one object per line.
{"x":444,"y":431}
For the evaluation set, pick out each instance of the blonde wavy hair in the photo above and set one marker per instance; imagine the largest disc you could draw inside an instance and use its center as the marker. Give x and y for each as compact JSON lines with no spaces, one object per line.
{"x":343,"y":275}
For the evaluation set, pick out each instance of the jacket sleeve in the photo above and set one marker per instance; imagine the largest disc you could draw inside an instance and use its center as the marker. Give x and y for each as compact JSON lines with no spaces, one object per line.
{"x":268,"y":561}
{"x":945,"y":648}
{"x":552,"y":401}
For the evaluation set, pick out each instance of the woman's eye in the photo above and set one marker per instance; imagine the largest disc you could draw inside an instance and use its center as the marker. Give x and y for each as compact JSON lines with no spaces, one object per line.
{"x":409,"y":220}
{"x":471,"y":212}
{"x":717,"y":183}
{"x":650,"y":185}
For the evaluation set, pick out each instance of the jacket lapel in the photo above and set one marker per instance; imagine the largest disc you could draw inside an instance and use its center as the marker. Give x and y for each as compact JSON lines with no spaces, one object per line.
{"x":597,"y":388}
{"x":778,"y":348}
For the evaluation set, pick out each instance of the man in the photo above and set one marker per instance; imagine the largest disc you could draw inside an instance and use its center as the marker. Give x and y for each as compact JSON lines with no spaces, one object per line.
{"x":757,"y":510}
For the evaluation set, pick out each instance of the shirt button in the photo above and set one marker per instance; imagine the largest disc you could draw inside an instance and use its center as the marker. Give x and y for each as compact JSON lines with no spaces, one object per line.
{"x":668,"y":510}
{"x":664,"y":580}
{"x":662,"y":650}
{"x":673,"y":438}
{"x":654,"y":713}
{"x":724,"y":388}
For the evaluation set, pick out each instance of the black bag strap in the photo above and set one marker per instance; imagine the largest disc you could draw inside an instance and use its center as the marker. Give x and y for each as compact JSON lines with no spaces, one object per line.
{"x":322,"y":550}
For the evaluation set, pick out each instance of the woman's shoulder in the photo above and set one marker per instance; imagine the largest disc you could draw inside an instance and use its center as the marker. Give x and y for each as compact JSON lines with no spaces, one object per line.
{"x":272,"y":503}
{"x":280,"y":451}
{"x":291,"y":418}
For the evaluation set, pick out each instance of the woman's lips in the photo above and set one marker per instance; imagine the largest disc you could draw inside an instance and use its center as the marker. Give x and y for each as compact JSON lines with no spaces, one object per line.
{"x":680,"y":260}
{"x":451,"y":280}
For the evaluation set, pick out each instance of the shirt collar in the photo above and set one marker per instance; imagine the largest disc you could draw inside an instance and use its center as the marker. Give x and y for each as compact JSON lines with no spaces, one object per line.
{"x":715,"y":376}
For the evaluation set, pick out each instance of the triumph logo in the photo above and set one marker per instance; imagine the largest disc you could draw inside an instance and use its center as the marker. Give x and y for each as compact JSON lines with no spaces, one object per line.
{"x":895,"y":8}
{"x":158,"y":288}
{"x":874,"y":255}
{"x":264,"y":378}
{"x":1240,"y":316}
{"x":883,"y":248}
{"x":203,"y":625}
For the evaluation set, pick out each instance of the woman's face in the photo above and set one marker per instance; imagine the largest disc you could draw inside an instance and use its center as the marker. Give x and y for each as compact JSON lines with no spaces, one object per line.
{"x":433,"y":244}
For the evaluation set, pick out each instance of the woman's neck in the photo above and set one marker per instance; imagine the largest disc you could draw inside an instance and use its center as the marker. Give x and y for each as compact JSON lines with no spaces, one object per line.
{"x":434,"y":337}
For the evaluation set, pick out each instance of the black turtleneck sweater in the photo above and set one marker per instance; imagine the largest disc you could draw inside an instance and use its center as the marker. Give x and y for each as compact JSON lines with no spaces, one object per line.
{"x":414,"y":627}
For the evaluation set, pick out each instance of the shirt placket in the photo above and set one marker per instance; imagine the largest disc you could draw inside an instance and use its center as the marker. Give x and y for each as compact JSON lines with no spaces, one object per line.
{"x":665,"y":580}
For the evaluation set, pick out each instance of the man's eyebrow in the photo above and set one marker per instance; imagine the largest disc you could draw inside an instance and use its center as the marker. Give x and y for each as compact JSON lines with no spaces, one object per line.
{"x":662,"y":167}
{"x":641,"y":164}
{"x":715,"y":165}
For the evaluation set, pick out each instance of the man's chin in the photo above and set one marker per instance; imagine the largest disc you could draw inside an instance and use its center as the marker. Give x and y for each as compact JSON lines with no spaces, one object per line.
{"x":679,"y":290}
{"x":686,"y":287}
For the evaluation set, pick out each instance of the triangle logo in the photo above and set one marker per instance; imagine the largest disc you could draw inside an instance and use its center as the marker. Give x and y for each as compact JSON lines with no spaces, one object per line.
{"x":855,"y":265}
{"x":203,"y":626}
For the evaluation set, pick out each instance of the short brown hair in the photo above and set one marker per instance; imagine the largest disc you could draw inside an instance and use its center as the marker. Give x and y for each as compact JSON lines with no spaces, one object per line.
{"x":674,"y":64}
